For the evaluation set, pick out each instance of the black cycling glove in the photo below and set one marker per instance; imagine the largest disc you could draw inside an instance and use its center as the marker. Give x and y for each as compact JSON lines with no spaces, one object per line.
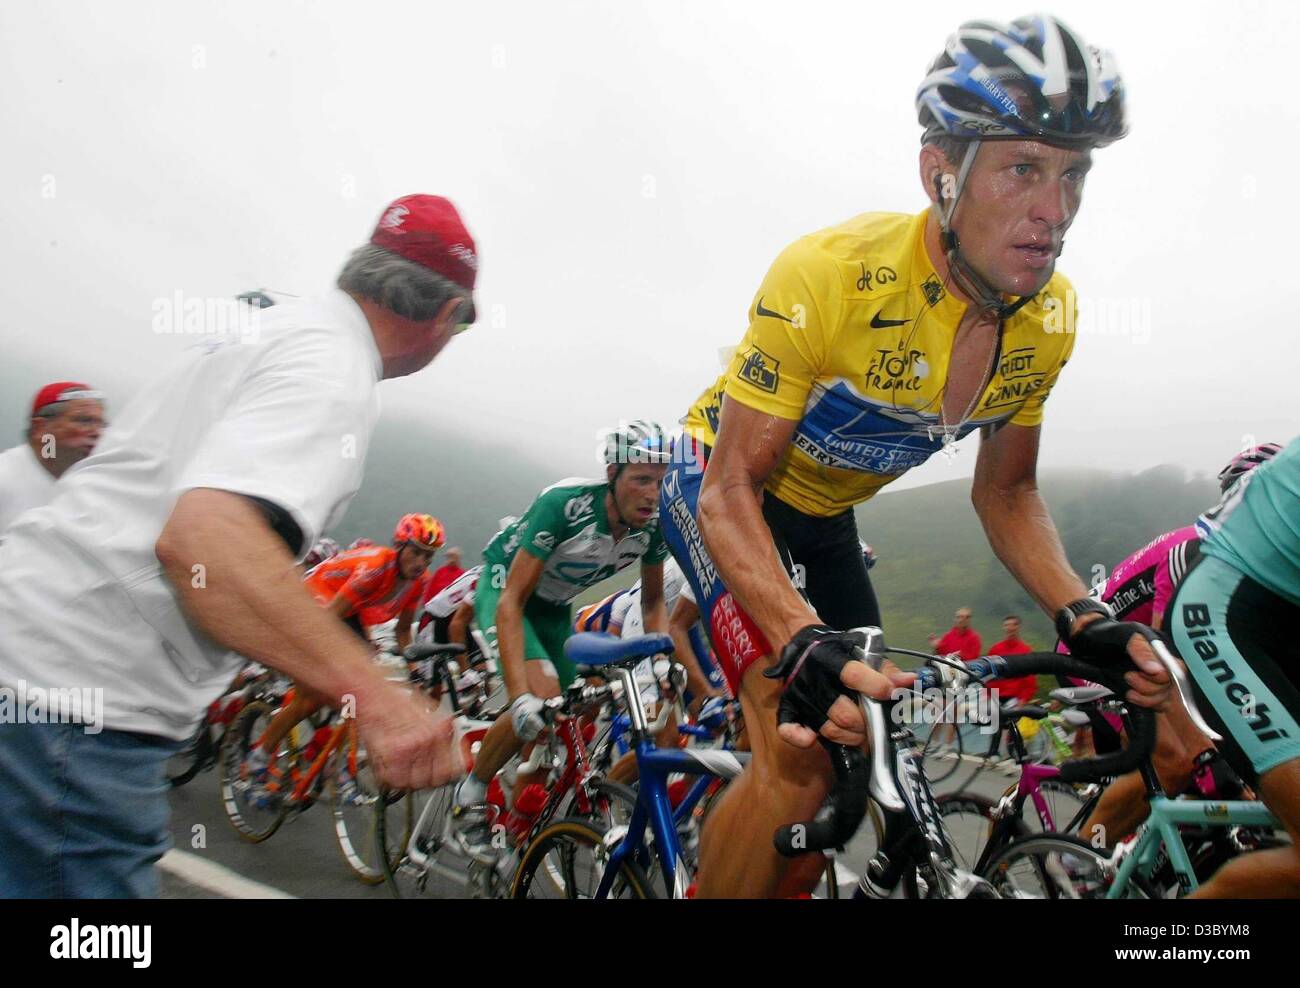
{"x":1105,"y":641}
{"x":810,"y":666}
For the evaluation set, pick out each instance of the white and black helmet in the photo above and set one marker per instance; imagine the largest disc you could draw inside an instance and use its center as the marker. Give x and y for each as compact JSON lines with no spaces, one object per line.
{"x":1031,"y":79}
{"x":638,"y":441}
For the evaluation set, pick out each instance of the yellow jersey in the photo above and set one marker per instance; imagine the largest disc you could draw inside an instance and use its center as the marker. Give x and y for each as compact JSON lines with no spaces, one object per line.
{"x":850,"y":336}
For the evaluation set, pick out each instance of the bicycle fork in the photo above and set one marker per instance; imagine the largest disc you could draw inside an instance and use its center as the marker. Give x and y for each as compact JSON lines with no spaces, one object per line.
{"x":913,"y":827}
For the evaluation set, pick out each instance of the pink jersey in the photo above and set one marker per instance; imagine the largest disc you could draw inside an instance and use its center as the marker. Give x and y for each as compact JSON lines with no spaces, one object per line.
{"x":1143,"y":584}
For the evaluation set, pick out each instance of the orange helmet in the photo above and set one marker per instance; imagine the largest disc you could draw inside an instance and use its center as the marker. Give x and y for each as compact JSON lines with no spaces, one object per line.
{"x":424,"y":531}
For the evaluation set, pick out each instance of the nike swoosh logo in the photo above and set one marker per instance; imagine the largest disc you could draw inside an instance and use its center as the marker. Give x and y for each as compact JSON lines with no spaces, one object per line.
{"x":760,"y":311}
{"x":878,"y":323}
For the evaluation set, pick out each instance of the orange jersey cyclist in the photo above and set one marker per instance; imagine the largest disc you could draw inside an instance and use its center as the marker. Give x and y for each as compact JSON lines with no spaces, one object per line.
{"x":872,"y":345}
{"x":382,"y":580}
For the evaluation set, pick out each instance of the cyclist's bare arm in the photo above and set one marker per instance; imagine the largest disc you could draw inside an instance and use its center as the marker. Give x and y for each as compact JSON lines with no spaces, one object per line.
{"x":252,"y":601}
{"x":458,"y":630}
{"x":749,"y":445}
{"x":340,"y":606}
{"x":680,"y":622}
{"x":1016,"y":520}
{"x":521,"y":581}
{"x":1022,"y":534}
{"x":654,"y":618}
{"x":403,"y":629}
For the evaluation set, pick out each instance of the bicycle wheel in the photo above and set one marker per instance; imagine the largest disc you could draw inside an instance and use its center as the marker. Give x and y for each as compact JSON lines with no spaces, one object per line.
{"x":253,"y":816}
{"x":1064,"y":802}
{"x":1054,"y":866}
{"x":612,"y":803}
{"x":359,"y":806}
{"x":566,"y":861}
{"x":941,"y":751}
{"x":968,"y":820}
{"x":409,"y":866}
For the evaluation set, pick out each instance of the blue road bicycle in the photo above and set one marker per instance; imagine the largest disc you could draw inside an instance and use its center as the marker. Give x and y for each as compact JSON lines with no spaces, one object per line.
{"x":580,"y":859}
{"x":651,"y":855}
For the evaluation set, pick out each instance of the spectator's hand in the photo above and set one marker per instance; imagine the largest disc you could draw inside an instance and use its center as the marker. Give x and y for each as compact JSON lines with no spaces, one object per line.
{"x":409,"y":744}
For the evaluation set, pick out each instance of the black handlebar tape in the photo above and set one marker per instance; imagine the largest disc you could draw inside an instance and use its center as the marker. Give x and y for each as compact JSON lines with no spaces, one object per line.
{"x":1142,"y":735}
{"x":841,"y":814}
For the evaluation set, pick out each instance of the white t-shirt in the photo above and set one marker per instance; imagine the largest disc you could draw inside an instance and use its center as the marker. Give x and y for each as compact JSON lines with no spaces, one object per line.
{"x":24,"y":484}
{"x":285,"y":417}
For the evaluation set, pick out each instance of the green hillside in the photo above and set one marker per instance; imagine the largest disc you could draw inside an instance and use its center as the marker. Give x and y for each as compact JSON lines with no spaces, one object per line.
{"x":469,"y":484}
{"x":933,"y":555}
{"x":934,"y":559}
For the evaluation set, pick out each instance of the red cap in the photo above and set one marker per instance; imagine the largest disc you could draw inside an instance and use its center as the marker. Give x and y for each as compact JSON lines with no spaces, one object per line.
{"x":429,"y":231}
{"x":64,"y":391}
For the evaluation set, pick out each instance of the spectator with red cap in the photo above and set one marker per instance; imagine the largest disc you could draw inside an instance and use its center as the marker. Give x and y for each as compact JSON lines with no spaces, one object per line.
{"x":171,"y":551}
{"x":66,"y":420}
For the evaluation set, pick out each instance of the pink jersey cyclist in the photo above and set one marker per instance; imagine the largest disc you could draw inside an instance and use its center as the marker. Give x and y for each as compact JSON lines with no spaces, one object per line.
{"x":1140,"y":588}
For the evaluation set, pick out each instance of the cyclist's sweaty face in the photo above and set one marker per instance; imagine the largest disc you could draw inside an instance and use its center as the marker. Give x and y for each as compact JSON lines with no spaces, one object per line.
{"x":1019,"y":199}
{"x":412,"y":560}
{"x":636,"y":492}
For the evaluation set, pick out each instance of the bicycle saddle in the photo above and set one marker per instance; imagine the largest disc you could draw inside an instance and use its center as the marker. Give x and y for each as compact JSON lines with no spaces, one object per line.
{"x":599,"y":648}
{"x":1077,"y":696}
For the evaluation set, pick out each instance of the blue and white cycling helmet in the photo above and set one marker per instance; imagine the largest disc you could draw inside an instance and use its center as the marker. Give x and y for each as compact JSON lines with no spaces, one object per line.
{"x":1031,"y":79}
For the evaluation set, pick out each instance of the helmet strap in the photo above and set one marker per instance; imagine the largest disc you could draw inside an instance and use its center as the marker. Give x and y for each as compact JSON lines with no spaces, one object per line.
{"x":614,"y":498}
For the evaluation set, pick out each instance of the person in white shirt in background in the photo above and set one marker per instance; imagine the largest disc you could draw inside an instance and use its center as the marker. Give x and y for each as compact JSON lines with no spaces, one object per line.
{"x":65,"y":424}
{"x":169,"y":554}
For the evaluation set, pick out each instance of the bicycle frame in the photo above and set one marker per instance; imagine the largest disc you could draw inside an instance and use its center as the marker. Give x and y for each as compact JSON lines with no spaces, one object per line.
{"x":573,"y":777}
{"x":1161,"y":831}
{"x":304,"y":784}
{"x":654,"y":809}
{"x":653,"y":806}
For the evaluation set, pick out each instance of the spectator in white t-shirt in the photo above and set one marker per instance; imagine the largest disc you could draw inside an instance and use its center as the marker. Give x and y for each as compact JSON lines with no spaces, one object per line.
{"x":173,"y":547}
{"x":65,"y":424}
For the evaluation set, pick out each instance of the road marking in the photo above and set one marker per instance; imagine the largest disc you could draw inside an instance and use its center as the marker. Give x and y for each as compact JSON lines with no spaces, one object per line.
{"x":216,"y":878}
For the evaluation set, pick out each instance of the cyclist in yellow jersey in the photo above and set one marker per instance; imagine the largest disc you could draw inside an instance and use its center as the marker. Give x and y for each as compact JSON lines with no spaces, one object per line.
{"x":871,"y":345}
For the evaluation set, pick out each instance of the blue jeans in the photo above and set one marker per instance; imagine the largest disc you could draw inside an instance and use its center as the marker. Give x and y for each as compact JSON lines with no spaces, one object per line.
{"x":81,"y":815}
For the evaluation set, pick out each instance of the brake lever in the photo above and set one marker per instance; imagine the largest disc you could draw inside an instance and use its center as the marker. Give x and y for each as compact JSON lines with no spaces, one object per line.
{"x":1180,"y":679}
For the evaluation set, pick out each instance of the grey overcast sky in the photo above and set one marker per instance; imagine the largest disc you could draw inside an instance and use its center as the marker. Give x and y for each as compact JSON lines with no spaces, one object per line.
{"x":629,"y":170}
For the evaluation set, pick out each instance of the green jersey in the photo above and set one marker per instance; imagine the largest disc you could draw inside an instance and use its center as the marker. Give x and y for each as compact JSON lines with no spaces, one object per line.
{"x":1256,"y":527}
{"x":567,"y":527}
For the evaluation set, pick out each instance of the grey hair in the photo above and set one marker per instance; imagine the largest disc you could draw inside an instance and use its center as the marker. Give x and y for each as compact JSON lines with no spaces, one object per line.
{"x":953,"y":149}
{"x":400,"y":286}
{"x":50,"y":411}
